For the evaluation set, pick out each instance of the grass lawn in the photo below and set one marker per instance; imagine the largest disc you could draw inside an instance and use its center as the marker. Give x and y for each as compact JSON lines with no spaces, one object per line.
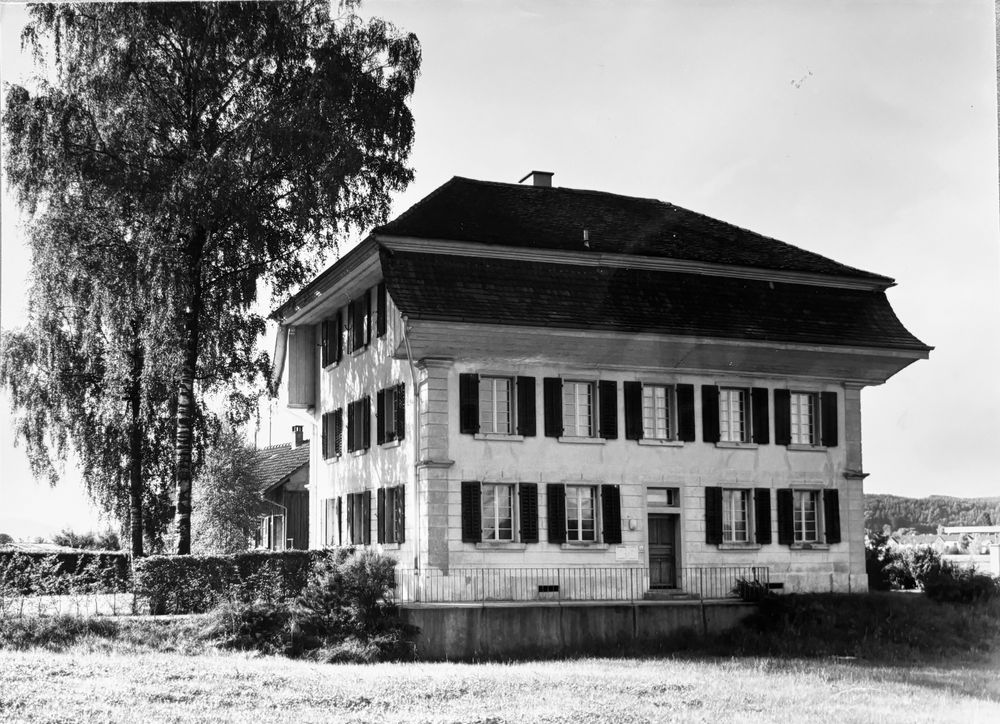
{"x":86,"y":684}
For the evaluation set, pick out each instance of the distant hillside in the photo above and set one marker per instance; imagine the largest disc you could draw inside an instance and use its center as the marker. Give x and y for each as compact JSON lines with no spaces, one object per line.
{"x":926,"y":514}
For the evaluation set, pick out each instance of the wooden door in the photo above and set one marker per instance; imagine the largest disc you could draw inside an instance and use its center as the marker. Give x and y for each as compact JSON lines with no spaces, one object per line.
{"x":662,"y":558}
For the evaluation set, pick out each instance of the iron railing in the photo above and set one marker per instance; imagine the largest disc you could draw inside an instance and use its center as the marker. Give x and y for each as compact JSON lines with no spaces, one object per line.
{"x":613,"y":583}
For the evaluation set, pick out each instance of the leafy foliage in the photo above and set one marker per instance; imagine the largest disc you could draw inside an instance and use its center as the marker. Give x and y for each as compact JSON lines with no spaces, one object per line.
{"x":24,"y":574}
{"x":924,"y":515}
{"x":244,"y":137}
{"x":227,"y":496}
{"x":106,"y":541}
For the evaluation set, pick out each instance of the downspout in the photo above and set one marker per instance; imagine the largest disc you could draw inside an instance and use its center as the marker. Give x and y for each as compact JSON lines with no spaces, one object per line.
{"x":416,"y":453}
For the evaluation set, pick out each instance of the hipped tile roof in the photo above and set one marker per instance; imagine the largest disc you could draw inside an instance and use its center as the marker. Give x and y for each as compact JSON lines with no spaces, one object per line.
{"x":516,"y":292}
{"x":278,"y":462}
{"x":555,"y":218}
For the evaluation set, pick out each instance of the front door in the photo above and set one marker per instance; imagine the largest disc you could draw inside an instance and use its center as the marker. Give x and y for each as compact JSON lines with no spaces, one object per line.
{"x":662,"y":560}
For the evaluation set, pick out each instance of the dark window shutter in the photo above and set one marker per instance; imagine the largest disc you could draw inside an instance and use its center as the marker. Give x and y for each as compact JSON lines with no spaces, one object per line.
{"x":380,"y":310}
{"x":782,"y":417}
{"x":399,"y":514}
{"x":366,"y":422}
{"x":760,"y":424}
{"x":552,"y":399}
{"x":828,"y":409}
{"x":786,"y":517}
{"x":338,"y":431}
{"x":608,"y":409}
{"x":325,"y":337}
{"x":831,"y":515}
{"x":340,"y":521}
{"x":762,"y":515}
{"x":380,"y":502}
{"x":472,"y":512}
{"x":325,"y":438}
{"x":611,"y":513}
{"x":685,"y":413}
{"x":352,"y":534}
{"x":367,"y":321}
{"x":400,"y":410}
{"x":526,"y":412}
{"x":713,"y":515}
{"x":352,"y":426}
{"x":380,"y":417}
{"x":633,"y":410}
{"x":338,"y":342}
{"x":468,"y":403}
{"x":351,"y":318}
{"x":710,"y":413}
{"x":527,"y":496}
{"x":366,"y":517}
{"x":555,"y":499}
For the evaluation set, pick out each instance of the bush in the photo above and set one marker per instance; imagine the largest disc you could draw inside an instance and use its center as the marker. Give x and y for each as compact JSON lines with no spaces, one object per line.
{"x":345,"y":613}
{"x":196,"y":584}
{"x":27,"y":574}
{"x":943,"y":581}
{"x":55,"y":633}
{"x":751,"y":591}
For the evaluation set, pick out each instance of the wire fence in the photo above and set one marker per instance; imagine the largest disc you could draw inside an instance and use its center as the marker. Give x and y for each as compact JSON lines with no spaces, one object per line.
{"x":480,"y":585}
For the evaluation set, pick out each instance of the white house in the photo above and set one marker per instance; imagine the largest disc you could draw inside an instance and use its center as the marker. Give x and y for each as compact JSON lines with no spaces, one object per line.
{"x":518,"y":389}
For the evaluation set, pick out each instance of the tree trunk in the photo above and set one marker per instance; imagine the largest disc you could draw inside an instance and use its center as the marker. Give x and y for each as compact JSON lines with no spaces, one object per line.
{"x":135,"y":484}
{"x":185,"y":392}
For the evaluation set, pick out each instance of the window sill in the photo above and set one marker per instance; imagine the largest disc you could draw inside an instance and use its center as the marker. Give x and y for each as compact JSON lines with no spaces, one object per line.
{"x":737,"y":445}
{"x":498,"y":436}
{"x":390,"y":444}
{"x":358,"y":453}
{"x":582,"y":440}
{"x":660,"y":443}
{"x":331,"y":366}
{"x":390,"y":546}
{"x":739,"y":546}
{"x":584,"y":546}
{"x":809,"y":546}
{"x":806,"y":448}
{"x":332,"y":459}
{"x":500,"y":546}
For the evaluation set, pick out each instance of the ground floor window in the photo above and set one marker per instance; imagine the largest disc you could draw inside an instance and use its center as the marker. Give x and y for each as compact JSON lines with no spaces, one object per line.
{"x":735,"y":516}
{"x":359,"y":518}
{"x":581,"y":513}
{"x":498,"y":512}
{"x":391,"y":518}
{"x":805,"y":515}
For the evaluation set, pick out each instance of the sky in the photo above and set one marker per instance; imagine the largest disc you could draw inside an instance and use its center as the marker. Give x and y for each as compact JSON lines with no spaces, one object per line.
{"x":864,"y":131}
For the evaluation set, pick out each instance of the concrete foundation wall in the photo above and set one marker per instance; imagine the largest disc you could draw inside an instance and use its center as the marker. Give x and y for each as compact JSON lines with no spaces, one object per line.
{"x":499,"y":631}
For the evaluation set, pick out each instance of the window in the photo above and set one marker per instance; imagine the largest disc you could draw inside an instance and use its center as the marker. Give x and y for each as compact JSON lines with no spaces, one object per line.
{"x":578,"y":409}
{"x":581,"y":516}
{"x":381,"y":304}
{"x":663,"y":497}
{"x":657,"y":412}
{"x":803,"y":419}
{"x":390,"y":414}
{"x":808,"y":517}
{"x":391,"y":514}
{"x":333,"y":434}
{"x":806,"y":503}
{"x":498,"y":512}
{"x":330,"y":521}
{"x":733,"y":406}
{"x":584,"y":513}
{"x":359,"y":313}
{"x":495,"y":409}
{"x":735,"y":518}
{"x":272,"y":532}
{"x":496,"y":404}
{"x":331,"y":340}
{"x":359,"y":424}
{"x":359,"y":518}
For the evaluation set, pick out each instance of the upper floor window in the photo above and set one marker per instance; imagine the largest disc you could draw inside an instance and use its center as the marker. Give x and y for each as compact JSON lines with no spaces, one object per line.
{"x":390,"y":414}
{"x":333,"y":434}
{"x":359,"y":516}
{"x":807,"y":419}
{"x":659,"y":412}
{"x":737,"y":415}
{"x":496,"y":411}
{"x":581,"y":409}
{"x":496,"y":404}
{"x":358,"y":328}
{"x":578,"y":409}
{"x":331,"y":340}
{"x":359,"y":424}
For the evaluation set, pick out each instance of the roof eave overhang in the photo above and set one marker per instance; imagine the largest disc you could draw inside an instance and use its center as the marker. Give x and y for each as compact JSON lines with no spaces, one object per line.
{"x":626,"y":261}
{"x":356,"y":264}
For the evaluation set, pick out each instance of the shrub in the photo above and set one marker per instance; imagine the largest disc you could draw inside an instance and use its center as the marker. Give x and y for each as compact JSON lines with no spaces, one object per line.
{"x":52,"y":632}
{"x":749,"y":590}
{"x":943,"y":581}
{"x":257,"y":626}
{"x":196,"y":584}
{"x":25,"y":574}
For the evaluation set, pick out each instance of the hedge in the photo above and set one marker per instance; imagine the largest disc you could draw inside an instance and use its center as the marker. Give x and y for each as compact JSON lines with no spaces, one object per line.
{"x":196,"y":584}
{"x":35,"y":573}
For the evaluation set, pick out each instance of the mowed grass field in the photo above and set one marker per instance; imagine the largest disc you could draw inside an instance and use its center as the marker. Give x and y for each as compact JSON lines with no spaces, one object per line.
{"x":86,"y":685}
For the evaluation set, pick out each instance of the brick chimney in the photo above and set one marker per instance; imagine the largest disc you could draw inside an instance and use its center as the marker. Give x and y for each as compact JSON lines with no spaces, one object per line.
{"x":542,"y":179}
{"x":296,"y":436}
